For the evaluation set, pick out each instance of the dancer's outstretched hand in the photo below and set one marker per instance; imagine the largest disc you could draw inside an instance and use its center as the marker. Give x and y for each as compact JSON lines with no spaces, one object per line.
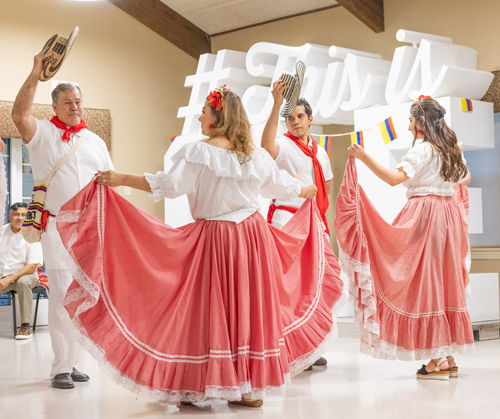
{"x":308,"y":192}
{"x":279,"y":87}
{"x":357,"y":151}
{"x":110,"y":178}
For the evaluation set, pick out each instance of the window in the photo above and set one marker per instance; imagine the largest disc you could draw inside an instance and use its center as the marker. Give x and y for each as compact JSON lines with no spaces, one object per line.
{"x":19,"y":175}
{"x":27,"y":175}
{"x":19,"y":182}
{"x":6,"y":160}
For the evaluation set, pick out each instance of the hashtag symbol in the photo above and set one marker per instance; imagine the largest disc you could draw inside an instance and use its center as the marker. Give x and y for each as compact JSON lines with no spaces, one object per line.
{"x":227,"y":67}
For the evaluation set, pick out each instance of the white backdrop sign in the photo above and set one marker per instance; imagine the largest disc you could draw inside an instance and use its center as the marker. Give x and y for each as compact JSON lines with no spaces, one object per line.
{"x":346,"y":86}
{"x":338,"y":80}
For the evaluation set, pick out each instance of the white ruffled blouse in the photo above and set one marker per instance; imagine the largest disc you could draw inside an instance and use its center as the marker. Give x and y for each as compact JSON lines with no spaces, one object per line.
{"x":422,"y":164}
{"x":217,"y":185}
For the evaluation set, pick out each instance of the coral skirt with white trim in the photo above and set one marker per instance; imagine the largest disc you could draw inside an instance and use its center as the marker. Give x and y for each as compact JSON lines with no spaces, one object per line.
{"x":408,"y":279}
{"x":213,"y":309}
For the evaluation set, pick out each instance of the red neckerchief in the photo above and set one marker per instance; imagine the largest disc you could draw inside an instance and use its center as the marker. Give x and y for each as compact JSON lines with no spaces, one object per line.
{"x":61,"y":125}
{"x":321,"y":196}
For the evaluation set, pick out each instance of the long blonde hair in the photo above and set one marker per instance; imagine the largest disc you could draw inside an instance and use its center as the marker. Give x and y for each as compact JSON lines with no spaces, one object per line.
{"x":429,"y":117}
{"x":231,"y":122}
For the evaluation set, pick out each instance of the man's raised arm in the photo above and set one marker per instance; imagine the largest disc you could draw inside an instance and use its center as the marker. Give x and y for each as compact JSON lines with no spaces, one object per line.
{"x":21,"y":112}
{"x":268,"y":141}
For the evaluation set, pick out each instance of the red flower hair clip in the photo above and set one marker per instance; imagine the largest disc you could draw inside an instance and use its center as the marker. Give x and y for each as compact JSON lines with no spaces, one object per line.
{"x":215,"y":98}
{"x":418,"y":101}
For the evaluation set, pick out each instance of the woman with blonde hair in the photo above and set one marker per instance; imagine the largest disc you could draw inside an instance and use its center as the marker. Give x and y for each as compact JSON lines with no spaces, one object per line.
{"x":409,"y":279}
{"x":227,"y":307}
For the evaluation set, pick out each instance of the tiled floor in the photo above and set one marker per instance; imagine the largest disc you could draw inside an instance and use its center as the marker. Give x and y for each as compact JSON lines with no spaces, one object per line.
{"x":352,"y":386}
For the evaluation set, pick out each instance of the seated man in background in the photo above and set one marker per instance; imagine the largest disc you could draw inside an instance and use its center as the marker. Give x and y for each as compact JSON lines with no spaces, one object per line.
{"x":18,"y":263}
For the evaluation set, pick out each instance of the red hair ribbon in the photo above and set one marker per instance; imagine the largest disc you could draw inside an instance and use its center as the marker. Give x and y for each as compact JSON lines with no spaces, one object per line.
{"x":215,"y":98}
{"x":423,"y":97}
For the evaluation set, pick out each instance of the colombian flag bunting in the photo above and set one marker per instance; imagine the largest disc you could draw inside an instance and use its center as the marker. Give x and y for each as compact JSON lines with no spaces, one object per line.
{"x":466,"y":105}
{"x":324,"y":141}
{"x":387,"y":130}
{"x":357,"y":138}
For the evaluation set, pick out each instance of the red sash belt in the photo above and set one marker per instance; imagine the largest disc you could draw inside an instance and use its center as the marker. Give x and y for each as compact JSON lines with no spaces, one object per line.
{"x":273,"y":208}
{"x":45,"y":216}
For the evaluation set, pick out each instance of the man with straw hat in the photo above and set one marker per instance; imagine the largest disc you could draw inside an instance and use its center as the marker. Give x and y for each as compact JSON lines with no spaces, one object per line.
{"x":299,"y":154}
{"x":47,"y":142}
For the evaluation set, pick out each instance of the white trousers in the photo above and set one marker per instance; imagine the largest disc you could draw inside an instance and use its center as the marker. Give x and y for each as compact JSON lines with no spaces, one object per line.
{"x":281,"y":218}
{"x":66,"y":349}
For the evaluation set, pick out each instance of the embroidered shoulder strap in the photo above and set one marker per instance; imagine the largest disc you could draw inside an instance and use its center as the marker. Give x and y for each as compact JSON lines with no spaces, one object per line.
{"x":304,"y":169}
{"x":65,"y":158}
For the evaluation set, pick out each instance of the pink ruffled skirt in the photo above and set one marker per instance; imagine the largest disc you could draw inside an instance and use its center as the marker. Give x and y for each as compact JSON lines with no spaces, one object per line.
{"x":408,"y":279}
{"x":213,"y":309}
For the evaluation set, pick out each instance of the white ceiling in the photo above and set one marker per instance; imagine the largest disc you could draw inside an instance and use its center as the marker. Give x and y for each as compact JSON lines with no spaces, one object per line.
{"x":216,"y":16}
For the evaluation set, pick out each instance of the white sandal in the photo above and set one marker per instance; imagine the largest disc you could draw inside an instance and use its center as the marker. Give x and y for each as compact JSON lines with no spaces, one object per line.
{"x":437,"y":374}
{"x":453,"y":370}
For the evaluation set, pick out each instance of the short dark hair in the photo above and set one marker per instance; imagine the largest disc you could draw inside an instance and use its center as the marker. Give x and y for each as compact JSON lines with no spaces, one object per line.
{"x":17,"y":205}
{"x":305,"y":104}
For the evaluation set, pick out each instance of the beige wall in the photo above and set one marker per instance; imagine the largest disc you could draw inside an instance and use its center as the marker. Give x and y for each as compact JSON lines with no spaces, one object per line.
{"x":120,"y":64}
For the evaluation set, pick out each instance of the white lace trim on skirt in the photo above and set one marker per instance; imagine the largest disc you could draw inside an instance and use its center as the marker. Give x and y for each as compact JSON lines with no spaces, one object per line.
{"x":371,"y":344}
{"x":165,"y":396}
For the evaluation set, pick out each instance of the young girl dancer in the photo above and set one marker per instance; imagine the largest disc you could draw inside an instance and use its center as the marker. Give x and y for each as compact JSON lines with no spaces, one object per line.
{"x":227,"y":307}
{"x":409,"y":279}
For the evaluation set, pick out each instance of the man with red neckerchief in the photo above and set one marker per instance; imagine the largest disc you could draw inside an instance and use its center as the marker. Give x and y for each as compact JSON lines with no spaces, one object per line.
{"x":47,"y":142}
{"x":299,"y":154}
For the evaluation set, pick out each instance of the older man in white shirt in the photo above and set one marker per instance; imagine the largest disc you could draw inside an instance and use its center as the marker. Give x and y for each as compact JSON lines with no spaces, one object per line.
{"x":47,"y":142}
{"x":299,"y":154}
{"x":18,"y":262}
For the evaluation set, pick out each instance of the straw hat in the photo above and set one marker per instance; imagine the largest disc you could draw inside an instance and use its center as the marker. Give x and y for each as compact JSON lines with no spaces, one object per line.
{"x":292,"y":92}
{"x":60,"y":48}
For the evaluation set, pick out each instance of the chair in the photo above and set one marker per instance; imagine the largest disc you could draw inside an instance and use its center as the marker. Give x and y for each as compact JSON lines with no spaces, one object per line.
{"x":40,"y":292}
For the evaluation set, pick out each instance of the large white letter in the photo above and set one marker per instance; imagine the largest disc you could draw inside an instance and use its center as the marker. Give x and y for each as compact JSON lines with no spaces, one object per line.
{"x":437,"y":68}
{"x":227,"y":67}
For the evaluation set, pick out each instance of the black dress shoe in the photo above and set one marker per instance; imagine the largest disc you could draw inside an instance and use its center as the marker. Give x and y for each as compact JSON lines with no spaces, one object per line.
{"x":62,"y":381}
{"x":78,"y":376}
{"x":321,"y":362}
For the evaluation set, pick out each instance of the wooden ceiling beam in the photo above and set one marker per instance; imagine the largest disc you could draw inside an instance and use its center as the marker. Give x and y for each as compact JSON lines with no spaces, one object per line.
{"x":169,"y":24}
{"x":370,"y":12}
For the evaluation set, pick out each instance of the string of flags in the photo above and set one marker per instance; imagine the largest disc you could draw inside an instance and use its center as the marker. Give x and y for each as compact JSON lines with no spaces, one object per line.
{"x":466,"y":105}
{"x":325,"y":141}
{"x":387,"y":130}
{"x":357,"y":138}
{"x":386,"y":127}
